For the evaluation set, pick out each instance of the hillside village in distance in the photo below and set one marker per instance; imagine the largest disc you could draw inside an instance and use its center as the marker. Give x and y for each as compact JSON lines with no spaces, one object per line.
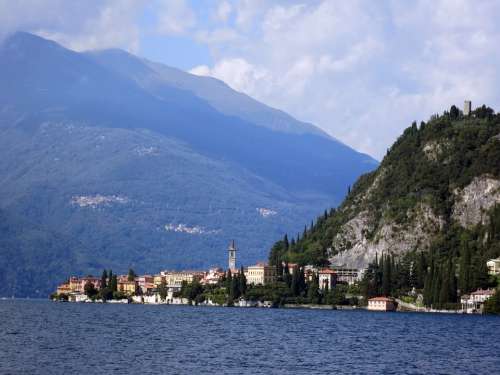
{"x":253,"y":286}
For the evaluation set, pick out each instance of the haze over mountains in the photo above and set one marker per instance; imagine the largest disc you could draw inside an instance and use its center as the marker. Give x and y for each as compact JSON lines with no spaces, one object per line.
{"x":109,"y":160}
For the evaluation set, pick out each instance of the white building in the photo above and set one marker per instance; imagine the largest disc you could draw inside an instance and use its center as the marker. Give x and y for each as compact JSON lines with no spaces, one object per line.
{"x":348,"y":275}
{"x":493,"y":266}
{"x":260,"y":274}
{"x":474,"y":302}
{"x":327,"y":279}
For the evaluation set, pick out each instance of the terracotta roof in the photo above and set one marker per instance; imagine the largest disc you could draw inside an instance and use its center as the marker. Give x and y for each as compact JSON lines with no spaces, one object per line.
{"x":327,"y":270}
{"x":481,"y":292}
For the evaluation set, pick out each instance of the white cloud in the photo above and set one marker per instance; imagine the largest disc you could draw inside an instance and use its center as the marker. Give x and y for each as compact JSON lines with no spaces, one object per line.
{"x":364,"y":70}
{"x":79,"y":25}
{"x":175,"y":17}
{"x":217,"y":36}
{"x":359,"y":69}
{"x":238,"y":73}
{"x":223,"y":11}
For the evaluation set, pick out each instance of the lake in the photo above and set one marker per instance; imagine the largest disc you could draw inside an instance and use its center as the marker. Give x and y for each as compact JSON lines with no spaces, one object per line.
{"x":42,"y":337}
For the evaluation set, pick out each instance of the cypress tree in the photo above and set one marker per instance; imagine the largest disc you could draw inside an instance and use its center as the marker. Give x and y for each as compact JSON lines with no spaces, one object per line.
{"x":295,"y":284}
{"x":465,"y":266}
{"x":104,"y":279}
{"x":386,"y":276}
{"x":113,"y":283}
{"x":131,"y":275}
{"x":229,"y":280}
{"x":242,"y":288}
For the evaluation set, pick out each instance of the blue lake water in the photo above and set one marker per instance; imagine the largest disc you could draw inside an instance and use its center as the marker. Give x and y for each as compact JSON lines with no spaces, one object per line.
{"x":42,"y":337}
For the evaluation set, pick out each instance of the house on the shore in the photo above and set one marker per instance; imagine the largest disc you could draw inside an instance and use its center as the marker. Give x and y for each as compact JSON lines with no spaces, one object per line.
{"x":474,"y":302}
{"x":381,"y":304}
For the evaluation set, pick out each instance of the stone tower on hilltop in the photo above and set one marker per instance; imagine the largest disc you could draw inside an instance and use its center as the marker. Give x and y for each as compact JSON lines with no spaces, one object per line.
{"x":232,"y":255}
{"x":467,"y":107}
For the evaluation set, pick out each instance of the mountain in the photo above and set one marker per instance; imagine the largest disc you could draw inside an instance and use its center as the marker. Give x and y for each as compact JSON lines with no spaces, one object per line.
{"x":436,"y":191}
{"x":108,"y":160}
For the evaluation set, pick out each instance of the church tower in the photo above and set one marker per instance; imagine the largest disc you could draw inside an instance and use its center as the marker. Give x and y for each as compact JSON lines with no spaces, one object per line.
{"x":232,"y":255}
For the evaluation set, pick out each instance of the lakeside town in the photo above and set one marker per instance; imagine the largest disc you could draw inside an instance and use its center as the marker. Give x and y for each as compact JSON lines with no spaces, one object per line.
{"x":261,"y":285}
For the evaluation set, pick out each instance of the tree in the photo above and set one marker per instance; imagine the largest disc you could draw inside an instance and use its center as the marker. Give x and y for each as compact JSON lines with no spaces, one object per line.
{"x":386,"y":276}
{"x":104,"y":279}
{"x":163,"y":290}
{"x":131,"y":275}
{"x":90,"y":289}
{"x":454,"y":112}
{"x":113,"y":284}
{"x":313,"y":290}
{"x":492,"y":304}
{"x":242,"y":282}
{"x":465,"y":279}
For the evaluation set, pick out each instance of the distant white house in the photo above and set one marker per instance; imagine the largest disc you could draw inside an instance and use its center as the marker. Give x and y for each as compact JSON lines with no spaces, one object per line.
{"x":493,"y":266}
{"x":474,"y":302}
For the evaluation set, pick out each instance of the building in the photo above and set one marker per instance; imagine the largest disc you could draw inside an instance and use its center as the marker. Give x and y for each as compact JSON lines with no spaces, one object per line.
{"x":213,"y":276}
{"x":467,"y":107}
{"x":158,"y":279}
{"x":327,"y":279}
{"x":74,"y":284}
{"x":127,"y":287}
{"x":232,"y":256}
{"x":474,"y":302}
{"x":89,"y":279}
{"x":381,"y":304}
{"x":174,"y":279}
{"x":64,"y":289}
{"x":260,"y":274}
{"x":146,"y":283}
{"x":348,"y":275}
{"x":493,"y":266}
{"x":309,"y":272}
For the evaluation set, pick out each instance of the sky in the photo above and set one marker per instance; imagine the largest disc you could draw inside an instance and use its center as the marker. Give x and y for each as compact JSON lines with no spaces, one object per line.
{"x":361,"y":70}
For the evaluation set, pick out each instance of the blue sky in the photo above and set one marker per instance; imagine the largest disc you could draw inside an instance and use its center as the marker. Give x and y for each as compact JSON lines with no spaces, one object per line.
{"x":362,"y":70}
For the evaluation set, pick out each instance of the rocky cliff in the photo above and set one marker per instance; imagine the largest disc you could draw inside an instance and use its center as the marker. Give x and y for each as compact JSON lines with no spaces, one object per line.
{"x":437,"y":177}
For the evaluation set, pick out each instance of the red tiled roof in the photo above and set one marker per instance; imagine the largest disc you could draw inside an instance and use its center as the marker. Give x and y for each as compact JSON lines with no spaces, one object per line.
{"x":327,"y":270}
{"x":481,"y":292}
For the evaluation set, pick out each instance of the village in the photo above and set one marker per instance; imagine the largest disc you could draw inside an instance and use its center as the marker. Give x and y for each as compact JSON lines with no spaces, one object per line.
{"x":252,"y":286}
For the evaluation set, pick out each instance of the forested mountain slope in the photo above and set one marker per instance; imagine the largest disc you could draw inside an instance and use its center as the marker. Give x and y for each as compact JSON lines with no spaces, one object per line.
{"x":106,"y":162}
{"x":435,"y":190}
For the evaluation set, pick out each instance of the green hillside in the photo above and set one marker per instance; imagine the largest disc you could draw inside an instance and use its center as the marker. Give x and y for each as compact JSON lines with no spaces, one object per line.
{"x":430,"y":212}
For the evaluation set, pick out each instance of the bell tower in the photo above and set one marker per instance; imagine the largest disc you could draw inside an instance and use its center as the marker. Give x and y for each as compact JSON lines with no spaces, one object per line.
{"x":232,"y":255}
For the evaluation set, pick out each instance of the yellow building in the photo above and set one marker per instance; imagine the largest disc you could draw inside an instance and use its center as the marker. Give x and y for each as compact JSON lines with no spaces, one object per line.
{"x":158,"y":279}
{"x":175,"y":278}
{"x":127,"y":287}
{"x":64,"y":289}
{"x":260,"y":274}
